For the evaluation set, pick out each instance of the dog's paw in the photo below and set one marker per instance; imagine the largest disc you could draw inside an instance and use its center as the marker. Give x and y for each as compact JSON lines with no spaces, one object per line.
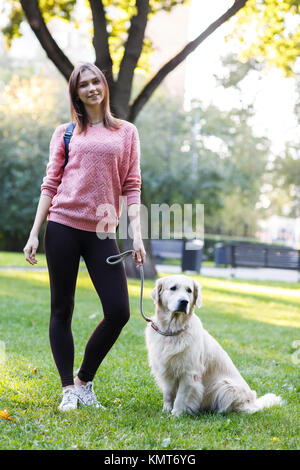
{"x":176,"y":412}
{"x":167,"y":407}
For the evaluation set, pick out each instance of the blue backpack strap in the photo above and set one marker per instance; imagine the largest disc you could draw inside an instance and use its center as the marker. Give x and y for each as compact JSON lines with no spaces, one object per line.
{"x":67,"y":137}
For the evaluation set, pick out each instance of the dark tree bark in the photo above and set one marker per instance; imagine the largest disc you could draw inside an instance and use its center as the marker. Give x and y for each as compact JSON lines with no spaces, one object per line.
{"x":38,"y":26}
{"x":100,"y":42}
{"x":133,"y":50}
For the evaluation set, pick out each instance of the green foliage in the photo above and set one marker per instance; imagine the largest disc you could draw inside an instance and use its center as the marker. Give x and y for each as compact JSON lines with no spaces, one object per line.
{"x":280,"y":180}
{"x":242,"y":159}
{"x":203,"y":156}
{"x":168,"y":171}
{"x":30,"y":109}
{"x":49,"y":8}
{"x":269,"y":31}
{"x":236,"y":70}
{"x":283,"y":179}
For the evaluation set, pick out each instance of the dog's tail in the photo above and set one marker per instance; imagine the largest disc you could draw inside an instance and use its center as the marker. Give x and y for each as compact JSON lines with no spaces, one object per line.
{"x":260,"y":403}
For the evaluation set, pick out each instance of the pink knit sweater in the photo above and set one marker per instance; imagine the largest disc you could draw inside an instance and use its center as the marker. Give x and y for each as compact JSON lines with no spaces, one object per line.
{"x":103,"y":165}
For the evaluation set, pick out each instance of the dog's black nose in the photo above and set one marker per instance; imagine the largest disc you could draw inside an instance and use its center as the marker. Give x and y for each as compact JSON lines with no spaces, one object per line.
{"x":182,"y":305}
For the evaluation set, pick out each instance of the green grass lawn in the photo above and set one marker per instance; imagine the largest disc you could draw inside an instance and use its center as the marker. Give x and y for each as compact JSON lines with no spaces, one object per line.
{"x":255,"y":322}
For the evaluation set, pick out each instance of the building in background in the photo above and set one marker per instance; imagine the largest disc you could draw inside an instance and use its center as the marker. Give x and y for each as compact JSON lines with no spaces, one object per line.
{"x":279,"y":229}
{"x":169,"y":34}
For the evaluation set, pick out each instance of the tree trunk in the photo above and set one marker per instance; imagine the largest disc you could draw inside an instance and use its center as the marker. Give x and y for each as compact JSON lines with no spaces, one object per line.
{"x":38,"y":26}
{"x":130,"y":266}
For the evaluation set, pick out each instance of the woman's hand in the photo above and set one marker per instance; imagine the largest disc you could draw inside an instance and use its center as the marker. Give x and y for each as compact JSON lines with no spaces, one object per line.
{"x":30,"y":249}
{"x":139,"y":255}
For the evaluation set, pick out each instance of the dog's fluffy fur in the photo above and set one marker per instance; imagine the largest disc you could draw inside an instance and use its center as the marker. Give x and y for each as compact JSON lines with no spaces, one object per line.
{"x":192,"y":369}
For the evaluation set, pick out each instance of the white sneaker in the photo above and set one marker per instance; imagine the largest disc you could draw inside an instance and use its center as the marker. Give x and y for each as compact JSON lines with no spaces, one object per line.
{"x":86,"y":395}
{"x":69,"y":401}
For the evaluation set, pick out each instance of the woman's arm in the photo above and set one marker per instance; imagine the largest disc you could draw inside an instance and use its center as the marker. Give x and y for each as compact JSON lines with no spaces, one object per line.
{"x":139,"y":255}
{"x":33,"y":240}
{"x":49,"y":187}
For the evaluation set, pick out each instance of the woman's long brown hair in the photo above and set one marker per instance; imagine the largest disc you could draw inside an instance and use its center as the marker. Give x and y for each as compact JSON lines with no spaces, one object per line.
{"x":77,"y":109}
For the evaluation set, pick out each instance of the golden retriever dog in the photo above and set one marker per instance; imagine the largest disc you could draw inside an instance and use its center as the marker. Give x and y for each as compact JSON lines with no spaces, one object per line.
{"x":191,"y":368}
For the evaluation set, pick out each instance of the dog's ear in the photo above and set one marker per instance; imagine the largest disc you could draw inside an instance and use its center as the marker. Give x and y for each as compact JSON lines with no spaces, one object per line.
{"x":157,"y":290}
{"x":197,"y":294}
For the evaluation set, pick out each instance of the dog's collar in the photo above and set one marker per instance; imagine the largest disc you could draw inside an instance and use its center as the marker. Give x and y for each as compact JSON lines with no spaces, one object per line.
{"x":167,"y":333}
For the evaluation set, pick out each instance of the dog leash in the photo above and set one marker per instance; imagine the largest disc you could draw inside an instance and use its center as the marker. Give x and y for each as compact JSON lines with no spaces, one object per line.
{"x":115,"y":259}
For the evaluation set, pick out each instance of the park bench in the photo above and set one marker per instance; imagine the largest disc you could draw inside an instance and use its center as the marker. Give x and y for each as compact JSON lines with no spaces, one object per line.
{"x":258,"y":256}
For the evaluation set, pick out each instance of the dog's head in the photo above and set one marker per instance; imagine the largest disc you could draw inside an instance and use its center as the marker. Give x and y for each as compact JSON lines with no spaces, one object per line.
{"x":177,"y":294}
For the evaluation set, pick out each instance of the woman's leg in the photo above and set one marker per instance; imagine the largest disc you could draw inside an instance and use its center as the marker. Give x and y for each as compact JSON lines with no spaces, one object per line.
{"x":63,"y":255}
{"x":111,"y":285}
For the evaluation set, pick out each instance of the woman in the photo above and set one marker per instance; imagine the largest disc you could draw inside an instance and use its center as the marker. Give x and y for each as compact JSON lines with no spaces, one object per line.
{"x":103,"y":165}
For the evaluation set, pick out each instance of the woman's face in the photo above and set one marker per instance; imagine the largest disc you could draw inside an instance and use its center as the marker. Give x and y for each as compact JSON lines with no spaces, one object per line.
{"x":90,"y":88}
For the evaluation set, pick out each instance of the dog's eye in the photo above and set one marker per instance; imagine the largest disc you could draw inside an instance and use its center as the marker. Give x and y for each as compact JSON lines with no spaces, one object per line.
{"x":173,"y":288}
{"x":189,"y":290}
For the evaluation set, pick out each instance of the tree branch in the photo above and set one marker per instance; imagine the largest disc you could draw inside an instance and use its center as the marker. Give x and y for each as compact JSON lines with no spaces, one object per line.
{"x":133,"y":50}
{"x":149,"y":88}
{"x":100,"y":41}
{"x":38,"y":26}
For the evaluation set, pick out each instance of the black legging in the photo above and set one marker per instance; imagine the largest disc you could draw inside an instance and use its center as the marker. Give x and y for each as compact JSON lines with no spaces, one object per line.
{"x":63,"y":247}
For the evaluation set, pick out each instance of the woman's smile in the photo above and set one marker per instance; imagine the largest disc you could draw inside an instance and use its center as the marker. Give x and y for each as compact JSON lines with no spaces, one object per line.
{"x":89,"y":87}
